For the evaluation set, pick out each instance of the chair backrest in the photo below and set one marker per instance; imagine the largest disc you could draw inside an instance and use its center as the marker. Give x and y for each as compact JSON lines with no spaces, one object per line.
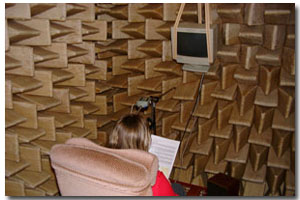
{"x":83,"y":168}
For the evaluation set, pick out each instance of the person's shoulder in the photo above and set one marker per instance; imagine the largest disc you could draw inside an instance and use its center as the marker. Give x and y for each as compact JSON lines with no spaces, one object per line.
{"x":160,"y":174}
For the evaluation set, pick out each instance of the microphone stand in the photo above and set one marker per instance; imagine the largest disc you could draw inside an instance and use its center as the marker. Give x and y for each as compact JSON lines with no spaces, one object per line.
{"x":153,"y":101}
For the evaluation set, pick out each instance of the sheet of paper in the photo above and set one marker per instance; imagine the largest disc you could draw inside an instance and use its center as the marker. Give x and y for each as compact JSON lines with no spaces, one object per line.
{"x":165,"y":149}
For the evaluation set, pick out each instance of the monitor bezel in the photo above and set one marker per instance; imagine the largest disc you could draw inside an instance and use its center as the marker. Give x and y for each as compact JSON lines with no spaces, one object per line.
{"x":196,"y":28}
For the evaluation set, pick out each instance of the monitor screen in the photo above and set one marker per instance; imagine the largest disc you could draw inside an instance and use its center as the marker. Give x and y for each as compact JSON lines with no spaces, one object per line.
{"x":192,"y":44}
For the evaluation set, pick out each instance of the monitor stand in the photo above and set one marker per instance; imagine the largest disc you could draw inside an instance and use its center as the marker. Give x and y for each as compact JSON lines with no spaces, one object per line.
{"x":195,"y":68}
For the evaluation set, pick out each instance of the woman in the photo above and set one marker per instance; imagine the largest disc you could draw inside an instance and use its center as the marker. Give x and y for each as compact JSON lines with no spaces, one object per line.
{"x":132,"y":132}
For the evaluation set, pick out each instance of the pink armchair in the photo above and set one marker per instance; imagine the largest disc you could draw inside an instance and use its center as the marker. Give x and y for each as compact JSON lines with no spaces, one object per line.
{"x":83,"y":168}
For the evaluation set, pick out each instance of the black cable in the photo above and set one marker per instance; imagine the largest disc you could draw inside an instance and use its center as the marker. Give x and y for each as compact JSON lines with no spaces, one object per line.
{"x":190,"y":117}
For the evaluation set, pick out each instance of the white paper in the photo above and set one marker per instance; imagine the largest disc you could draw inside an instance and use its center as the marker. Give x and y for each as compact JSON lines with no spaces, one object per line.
{"x":165,"y":149}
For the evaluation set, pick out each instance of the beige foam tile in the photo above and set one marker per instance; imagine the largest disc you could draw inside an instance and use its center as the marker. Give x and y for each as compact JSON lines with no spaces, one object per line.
{"x":91,"y":124}
{"x":225,"y":132}
{"x":19,"y":59}
{"x":86,"y":11}
{"x":26,"y":135}
{"x":45,"y":145}
{"x":151,"y":48}
{"x":88,"y":108}
{"x":236,"y":170}
{"x":22,"y":83}
{"x":77,"y":131}
{"x":12,"y":146}
{"x":32,"y":179}
{"x":185,"y":162}
{"x":200,"y":180}
{"x":187,"y":91}
{"x":286,"y":79}
{"x":35,"y":192}
{"x":50,"y":187}
{"x":12,"y":118}
{"x":130,"y":100}
{"x":32,"y":155}
{"x":62,"y":136}
{"x":169,"y":11}
{"x":290,"y":36}
{"x":40,"y":54}
{"x":252,"y":35}
{"x":77,"y":112}
{"x":254,"y":189}
{"x":227,"y":94}
{"x":254,"y":14}
{"x":245,"y":120}
{"x":263,"y":118}
{"x":18,"y":11}
{"x":268,"y":57}
{"x":117,"y":115}
{"x":101,"y":86}
{"x":274,"y":36}
{"x":229,"y":54}
{"x":224,"y":110}
{"x":97,"y":30}
{"x":177,"y":125}
{"x":42,"y":26}
{"x":245,"y":97}
{"x":200,"y":162}
{"x":231,"y":33}
{"x":189,"y":12}
{"x":183,"y":175}
{"x":206,"y":111}
{"x":169,"y":105}
{"x":281,"y":142}
{"x":135,"y":65}
{"x":204,"y":128}
{"x":12,"y":167}
{"x":169,"y":67}
{"x":133,"y":81}
{"x":258,"y":176}
{"x":89,"y":88}
{"x":8,"y":95}
{"x":48,"y":11}
{"x":101,"y":119}
{"x":239,"y":157}
{"x":204,"y":148}
{"x":215,"y":168}
{"x":286,"y":124}
{"x":264,"y":139}
{"x":282,"y":162}
{"x":275,"y":178}
{"x":286,"y":100}
{"x":90,"y":69}
{"x":157,"y":29}
{"x":270,"y":100}
{"x":14,"y":188}
{"x":42,"y":103}
{"x":244,"y":76}
{"x":152,"y":84}
{"x":231,"y":13}
{"x":167,"y":121}
{"x":59,"y":48}
{"x":123,"y":29}
{"x":290,"y":180}
{"x":277,"y":14}
{"x":240,"y":137}
{"x":220,"y":149}
{"x":79,"y":77}
{"x":61,"y":119}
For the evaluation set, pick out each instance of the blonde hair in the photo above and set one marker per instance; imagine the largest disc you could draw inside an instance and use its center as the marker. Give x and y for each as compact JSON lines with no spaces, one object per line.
{"x":131,"y":132}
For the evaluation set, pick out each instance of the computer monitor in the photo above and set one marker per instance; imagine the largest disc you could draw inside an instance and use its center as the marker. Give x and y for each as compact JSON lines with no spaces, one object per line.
{"x":191,"y":45}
